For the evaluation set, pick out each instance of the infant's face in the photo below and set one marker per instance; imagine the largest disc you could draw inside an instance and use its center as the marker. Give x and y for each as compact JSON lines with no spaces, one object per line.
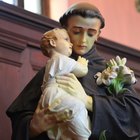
{"x":63,"y":44}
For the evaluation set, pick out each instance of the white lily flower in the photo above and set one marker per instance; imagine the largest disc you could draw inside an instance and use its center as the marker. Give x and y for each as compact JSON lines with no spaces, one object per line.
{"x":127,"y":75}
{"x":124,"y":70}
{"x":99,"y":78}
{"x":120,"y":62}
{"x":129,"y":79}
{"x":106,"y":76}
{"x":116,"y":76}
{"x":112,"y":62}
{"x":124,"y":60}
{"x":115,"y":68}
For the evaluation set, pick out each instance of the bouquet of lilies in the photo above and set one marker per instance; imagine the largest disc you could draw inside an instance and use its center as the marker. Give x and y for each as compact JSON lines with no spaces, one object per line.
{"x":116,"y":76}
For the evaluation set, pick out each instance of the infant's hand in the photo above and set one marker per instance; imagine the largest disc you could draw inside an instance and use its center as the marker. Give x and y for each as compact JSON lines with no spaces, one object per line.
{"x":82,"y":61}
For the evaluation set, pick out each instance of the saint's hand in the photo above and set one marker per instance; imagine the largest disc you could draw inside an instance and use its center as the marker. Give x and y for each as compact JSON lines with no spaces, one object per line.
{"x":72,"y":86}
{"x":43,"y":119}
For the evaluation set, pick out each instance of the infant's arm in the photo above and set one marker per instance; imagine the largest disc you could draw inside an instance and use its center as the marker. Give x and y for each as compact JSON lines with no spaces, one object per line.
{"x":81,"y":67}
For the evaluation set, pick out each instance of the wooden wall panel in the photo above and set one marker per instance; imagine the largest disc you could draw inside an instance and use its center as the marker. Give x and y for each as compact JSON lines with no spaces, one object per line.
{"x":20,"y":56}
{"x":9,"y":89}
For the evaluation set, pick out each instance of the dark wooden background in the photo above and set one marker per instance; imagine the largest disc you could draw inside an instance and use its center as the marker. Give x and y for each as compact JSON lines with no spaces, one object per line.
{"x":21,"y":58}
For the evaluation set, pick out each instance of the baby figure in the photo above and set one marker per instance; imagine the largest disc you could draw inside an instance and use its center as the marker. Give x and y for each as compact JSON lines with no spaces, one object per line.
{"x":56,"y":45}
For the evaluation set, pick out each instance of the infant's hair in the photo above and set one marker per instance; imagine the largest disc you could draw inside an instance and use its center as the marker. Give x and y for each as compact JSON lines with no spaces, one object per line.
{"x":45,"y":40}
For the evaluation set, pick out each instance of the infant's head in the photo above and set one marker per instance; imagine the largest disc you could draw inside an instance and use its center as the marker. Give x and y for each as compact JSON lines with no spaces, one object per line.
{"x":56,"y":40}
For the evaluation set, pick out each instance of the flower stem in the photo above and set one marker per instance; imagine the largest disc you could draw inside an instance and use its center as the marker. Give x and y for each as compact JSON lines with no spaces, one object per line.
{"x":116,"y":86}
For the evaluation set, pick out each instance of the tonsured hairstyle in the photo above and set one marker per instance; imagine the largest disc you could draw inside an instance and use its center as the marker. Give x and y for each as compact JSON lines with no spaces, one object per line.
{"x":82,"y":9}
{"x":45,"y":40}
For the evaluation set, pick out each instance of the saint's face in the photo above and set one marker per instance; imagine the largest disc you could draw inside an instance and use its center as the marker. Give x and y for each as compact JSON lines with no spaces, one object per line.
{"x":83,"y":33}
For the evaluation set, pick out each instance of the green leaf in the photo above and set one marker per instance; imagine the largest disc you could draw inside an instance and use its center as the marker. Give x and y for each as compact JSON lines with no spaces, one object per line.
{"x":116,"y":87}
{"x":102,"y":135}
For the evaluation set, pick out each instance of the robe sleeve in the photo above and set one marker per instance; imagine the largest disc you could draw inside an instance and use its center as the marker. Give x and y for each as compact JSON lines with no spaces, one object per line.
{"x":20,"y":128}
{"x":21,"y":110}
{"x":117,"y":116}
